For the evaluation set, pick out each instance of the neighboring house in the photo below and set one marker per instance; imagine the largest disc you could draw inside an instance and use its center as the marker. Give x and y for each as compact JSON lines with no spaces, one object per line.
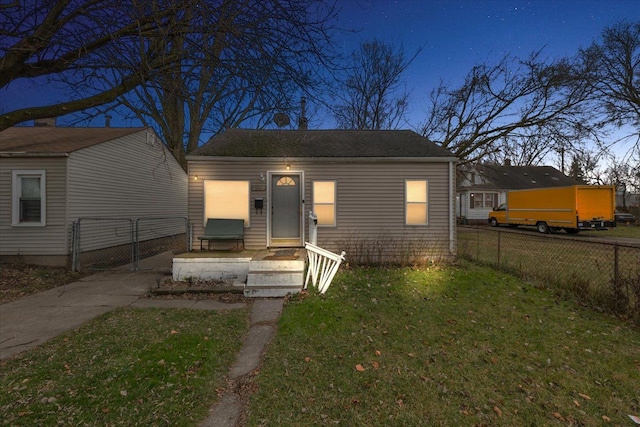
{"x":51,"y":176}
{"x":483,"y":187}
{"x":379,"y":195}
{"x":627,"y":200}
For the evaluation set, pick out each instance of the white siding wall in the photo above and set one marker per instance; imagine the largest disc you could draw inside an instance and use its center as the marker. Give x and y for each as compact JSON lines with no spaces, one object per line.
{"x":50,"y":240}
{"x":478,"y":215}
{"x":369,"y":205}
{"x":132,"y":176}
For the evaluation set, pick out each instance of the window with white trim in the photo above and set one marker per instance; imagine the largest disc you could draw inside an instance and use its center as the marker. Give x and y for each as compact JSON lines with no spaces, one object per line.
{"x":29,"y":198}
{"x":324,"y":202}
{"x":416,"y":206}
{"x":226,"y":199}
{"x":483,"y":200}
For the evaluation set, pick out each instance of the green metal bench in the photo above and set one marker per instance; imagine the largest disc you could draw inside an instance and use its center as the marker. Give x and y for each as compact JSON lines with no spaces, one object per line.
{"x":222,"y":229}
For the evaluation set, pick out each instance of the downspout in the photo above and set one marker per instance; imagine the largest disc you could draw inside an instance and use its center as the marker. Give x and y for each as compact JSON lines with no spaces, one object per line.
{"x":452,"y":224}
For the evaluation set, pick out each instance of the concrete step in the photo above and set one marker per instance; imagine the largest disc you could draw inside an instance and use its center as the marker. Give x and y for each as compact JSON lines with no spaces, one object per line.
{"x":275,"y":278}
{"x":276,"y":265}
{"x":275,"y":292}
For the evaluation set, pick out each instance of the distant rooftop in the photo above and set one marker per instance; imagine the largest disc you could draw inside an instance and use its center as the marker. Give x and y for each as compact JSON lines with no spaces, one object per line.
{"x":522,"y":177}
{"x":58,"y":140}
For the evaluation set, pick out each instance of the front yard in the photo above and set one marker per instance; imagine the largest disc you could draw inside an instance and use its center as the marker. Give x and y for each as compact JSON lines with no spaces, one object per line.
{"x":458,"y":346}
{"x":461,"y":345}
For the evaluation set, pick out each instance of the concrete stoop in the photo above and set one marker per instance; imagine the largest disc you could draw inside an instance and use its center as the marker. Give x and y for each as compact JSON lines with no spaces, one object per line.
{"x":274,"y":278}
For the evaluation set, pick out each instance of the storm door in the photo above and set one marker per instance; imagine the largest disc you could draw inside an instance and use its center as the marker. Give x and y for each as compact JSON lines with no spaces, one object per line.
{"x":285,"y":210}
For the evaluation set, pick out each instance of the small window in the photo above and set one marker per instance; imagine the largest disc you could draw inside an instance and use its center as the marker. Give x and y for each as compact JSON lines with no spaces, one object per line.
{"x":416,"y":202}
{"x":324,"y":202}
{"x":483,"y":200}
{"x":29,"y":198}
{"x":285,"y":181}
{"x":226,"y":199}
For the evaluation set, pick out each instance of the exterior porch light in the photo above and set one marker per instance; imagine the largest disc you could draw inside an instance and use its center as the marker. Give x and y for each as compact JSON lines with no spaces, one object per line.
{"x":288,"y":166}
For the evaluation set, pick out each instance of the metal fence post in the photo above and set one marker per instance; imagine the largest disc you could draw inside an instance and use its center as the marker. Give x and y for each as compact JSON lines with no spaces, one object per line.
{"x":616,"y":266}
{"x":499,"y":234}
{"x":477,"y":244}
{"x":134,"y":243}
{"x":74,"y":252}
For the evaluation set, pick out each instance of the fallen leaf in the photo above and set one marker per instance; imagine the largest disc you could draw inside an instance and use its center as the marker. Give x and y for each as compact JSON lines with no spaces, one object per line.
{"x":558,"y":416}
{"x":307,"y":359}
{"x":575,"y":402}
{"x":497,"y":411}
{"x":378,"y":353}
{"x":400,"y":403}
{"x":123,"y":392}
{"x":584,"y":396}
{"x":375,"y":365}
{"x":604,"y":417}
{"x":360,"y":368}
{"x":173,"y":332}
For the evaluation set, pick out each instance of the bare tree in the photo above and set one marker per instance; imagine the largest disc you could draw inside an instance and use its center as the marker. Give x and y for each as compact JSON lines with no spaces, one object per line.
{"x":509,"y":103}
{"x":240,"y":62}
{"x":44,"y":40}
{"x":614,"y":71}
{"x":370,"y":93}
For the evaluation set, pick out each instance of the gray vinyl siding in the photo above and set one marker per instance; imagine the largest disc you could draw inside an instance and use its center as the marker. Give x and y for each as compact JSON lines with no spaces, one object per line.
{"x":370,"y":203}
{"x":132,"y":176}
{"x":256,"y":233}
{"x":50,"y":240}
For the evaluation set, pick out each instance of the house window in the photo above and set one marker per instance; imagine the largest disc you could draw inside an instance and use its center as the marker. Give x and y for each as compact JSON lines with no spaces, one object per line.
{"x":483,"y":200}
{"x":29,"y":197}
{"x":286,"y":181}
{"x":324,"y":202}
{"x":226,"y":199}
{"x":416,"y":201}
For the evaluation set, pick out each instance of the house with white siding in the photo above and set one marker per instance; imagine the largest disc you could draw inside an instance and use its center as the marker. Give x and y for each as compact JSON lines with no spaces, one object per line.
{"x":51,"y":176}
{"x":483,"y":187}
{"x":381,"y":196}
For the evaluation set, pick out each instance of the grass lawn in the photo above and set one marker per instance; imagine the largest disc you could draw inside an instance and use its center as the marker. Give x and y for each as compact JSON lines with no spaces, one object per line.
{"x":622,"y":230}
{"x":458,"y":346}
{"x":128,"y":367}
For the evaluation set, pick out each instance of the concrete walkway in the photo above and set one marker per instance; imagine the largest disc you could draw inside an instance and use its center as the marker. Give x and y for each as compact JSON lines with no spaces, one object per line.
{"x":35,"y":319}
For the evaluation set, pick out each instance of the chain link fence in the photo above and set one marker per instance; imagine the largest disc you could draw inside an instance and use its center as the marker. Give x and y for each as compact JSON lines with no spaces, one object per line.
{"x":605,"y":275}
{"x":122,"y":243}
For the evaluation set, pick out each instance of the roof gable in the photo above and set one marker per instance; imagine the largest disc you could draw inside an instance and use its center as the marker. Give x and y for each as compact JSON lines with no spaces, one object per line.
{"x":320,"y":143}
{"x":56,"y":140}
{"x":521,"y":177}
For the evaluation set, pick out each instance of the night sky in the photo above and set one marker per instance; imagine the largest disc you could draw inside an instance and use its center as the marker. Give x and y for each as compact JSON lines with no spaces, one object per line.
{"x":455,"y":35}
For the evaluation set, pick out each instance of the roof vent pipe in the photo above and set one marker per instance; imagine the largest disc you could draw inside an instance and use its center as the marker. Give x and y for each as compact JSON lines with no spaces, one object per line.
{"x":303,"y":122}
{"x":107,"y":121}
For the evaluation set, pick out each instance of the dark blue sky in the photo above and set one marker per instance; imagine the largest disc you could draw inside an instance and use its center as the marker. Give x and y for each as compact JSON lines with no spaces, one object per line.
{"x":456,"y":34}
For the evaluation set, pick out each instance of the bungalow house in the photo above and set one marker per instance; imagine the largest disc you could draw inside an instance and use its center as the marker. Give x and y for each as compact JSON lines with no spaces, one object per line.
{"x":51,"y":176}
{"x":484,"y":187}
{"x":378,"y":195}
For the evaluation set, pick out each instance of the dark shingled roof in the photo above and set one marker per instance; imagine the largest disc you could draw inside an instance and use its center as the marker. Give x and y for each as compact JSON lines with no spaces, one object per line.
{"x":56,"y":140}
{"x":320,"y":143}
{"x":523,"y":177}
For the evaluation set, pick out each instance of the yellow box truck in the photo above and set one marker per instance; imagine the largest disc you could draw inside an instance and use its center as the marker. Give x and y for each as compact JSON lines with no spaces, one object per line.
{"x":573,"y":208}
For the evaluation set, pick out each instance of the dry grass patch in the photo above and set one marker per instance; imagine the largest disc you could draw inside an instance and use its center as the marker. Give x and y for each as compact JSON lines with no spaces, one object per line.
{"x":463,"y":346}
{"x":128,"y":367}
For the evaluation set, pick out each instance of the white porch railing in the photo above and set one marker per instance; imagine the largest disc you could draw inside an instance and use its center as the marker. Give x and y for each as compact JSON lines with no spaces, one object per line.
{"x":323,"y":265}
